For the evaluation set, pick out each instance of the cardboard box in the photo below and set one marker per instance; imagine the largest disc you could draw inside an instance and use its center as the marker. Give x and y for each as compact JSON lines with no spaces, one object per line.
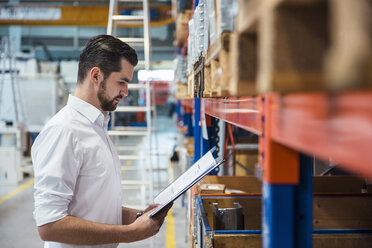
{"x":182,"y":28}
{"x":212,"y":188}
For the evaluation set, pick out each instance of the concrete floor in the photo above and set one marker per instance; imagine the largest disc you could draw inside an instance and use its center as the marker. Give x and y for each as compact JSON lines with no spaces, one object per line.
{"x":17,"y":227}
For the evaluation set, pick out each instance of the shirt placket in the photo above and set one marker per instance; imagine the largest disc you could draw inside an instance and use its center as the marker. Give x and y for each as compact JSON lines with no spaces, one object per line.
{"x":116,"y":161}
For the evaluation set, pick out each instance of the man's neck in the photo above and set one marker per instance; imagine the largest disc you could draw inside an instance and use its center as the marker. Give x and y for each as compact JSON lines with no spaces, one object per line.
{"x":87,"y":95}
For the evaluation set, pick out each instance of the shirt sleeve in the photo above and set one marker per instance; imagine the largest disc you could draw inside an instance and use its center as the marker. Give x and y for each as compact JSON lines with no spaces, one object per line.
{"x":56,"y":162}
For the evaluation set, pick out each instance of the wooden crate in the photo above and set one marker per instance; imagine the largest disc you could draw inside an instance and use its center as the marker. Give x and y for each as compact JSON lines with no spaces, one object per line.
{"x":248,"y":15}
{"x":206,"y":237}
{"x":248,"y":184}
{"x":325,"y":217}
{"x":243,"y":64}
{"x":224,"y":58}
{"x":218,"y":58}
{"x":293,"y":42}
{"x":212,"y":188}
{"x":338,"y":184}
{"x":191,"y":237}
{"x":237,"y":240}
{"x":223,"y":16}
{"x":181,"y":91}
{"x":216,"y":79}
{"x":182,"y":28}
{"x":329,"y":212}
{"x":289,"y":46}
{"x":342,"y":240}
{"x":319,"y":240}
{"x":321,"y":184}
{"x":208,"y":90}
{"x":198,"y":90}
{"x":349,"y":61}
{"x":190,"y":85}
{"x":248,"y":161}
{"x":342,"y":212}
{"x":251,"y":209}
{"x":233,"y":57}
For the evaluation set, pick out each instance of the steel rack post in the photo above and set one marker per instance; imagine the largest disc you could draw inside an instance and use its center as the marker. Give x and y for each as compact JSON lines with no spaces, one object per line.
{"x":210,"y":142}
{"x":178,"y":110}
{"x":278,"y":221}
{"x":304,"y":203}
{"x":205,"y":131}
{"x":197,"y":130}
{"x":187,"y":120}
{"x":281,"y":175}
{"x":287,"y":219}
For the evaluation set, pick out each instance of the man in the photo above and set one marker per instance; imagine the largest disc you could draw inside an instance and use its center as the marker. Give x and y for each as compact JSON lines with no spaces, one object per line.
{"x":77,"y":171}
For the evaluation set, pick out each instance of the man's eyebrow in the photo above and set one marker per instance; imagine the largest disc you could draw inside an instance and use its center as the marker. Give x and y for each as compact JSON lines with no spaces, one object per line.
{"x":125,"y":79}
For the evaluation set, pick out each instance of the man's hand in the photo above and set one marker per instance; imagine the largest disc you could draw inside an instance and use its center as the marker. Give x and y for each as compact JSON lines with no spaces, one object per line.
{"x":151,"y":207}
{"x":147,"y":226}
{"x":73,"y":230}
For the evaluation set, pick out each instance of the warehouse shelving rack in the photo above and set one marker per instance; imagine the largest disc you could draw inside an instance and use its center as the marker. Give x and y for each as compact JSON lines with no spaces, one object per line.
{"x":292,"y":93}
{"x":313,"y":123}
{"x":293,"y":129}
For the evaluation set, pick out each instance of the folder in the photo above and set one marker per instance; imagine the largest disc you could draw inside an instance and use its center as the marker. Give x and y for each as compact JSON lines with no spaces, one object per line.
{"x":197,"y":171}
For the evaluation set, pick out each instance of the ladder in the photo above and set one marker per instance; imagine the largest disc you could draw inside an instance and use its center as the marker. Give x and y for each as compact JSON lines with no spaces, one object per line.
{"x":145,"y":185}
{"x":8,"y":68}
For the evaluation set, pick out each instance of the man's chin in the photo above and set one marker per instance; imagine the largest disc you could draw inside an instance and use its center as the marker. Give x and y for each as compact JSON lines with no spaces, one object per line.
{"x":113,"y":107}
{"x":110,"y":108}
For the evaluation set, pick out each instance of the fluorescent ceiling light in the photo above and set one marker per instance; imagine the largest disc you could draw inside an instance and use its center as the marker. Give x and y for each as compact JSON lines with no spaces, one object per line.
{"x":155,"y":75}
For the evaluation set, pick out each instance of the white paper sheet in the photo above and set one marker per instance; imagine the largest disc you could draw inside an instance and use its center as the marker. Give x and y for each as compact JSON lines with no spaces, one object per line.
{"x":196,"y":172}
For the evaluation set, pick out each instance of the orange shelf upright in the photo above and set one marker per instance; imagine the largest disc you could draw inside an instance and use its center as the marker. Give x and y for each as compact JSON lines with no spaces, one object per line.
{"x":187,"y":103}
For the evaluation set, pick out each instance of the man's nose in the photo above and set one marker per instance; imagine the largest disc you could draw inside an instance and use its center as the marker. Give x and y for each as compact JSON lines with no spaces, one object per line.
{"x":124,"y":92}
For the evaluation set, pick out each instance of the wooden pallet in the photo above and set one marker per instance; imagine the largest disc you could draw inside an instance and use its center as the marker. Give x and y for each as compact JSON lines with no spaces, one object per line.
{"x":217,"y":68}
{"x":326,"y":216}
{"x":293,"y":41}
{"x":181,"y":91}
{"x":348,"y":65}
{"x":291,"y":46}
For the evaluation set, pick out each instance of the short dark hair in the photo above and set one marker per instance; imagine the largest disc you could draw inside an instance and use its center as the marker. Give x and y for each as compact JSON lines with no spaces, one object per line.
{"x":105,"y":52}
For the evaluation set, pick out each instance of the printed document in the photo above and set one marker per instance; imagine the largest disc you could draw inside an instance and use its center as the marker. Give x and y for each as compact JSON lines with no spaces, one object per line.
{"x":196,"y":172}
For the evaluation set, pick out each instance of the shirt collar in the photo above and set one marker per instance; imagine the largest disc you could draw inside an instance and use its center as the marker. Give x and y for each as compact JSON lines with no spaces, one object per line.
{"x":88,"y":110}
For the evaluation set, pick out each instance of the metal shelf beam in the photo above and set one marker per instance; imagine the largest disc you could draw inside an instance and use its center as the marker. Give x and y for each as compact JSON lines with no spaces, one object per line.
{"x":337,"y":127}
{"x":244,"y":112}
{"x":326,"y":126}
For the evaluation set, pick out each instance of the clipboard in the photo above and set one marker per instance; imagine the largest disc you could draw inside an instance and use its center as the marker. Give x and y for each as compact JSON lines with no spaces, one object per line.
{"x":190,"y":177}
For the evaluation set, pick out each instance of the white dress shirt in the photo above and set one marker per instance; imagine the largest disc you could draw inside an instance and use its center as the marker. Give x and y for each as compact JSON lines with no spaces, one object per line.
{"x":77,"y":169}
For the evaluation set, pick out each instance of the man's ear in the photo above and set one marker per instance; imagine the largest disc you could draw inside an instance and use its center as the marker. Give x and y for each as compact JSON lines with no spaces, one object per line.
{"x":95,"y":75}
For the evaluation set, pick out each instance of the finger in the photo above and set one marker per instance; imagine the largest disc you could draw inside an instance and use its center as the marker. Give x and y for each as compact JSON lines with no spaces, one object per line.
{"x":161,"y":222}
{"x":169,"y":206}
{"x":166,"y":208}
{"x":163,"y":213}
{"x":159,"y":216}
{"x":151,"y":207}
{"x":147,"y":213}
